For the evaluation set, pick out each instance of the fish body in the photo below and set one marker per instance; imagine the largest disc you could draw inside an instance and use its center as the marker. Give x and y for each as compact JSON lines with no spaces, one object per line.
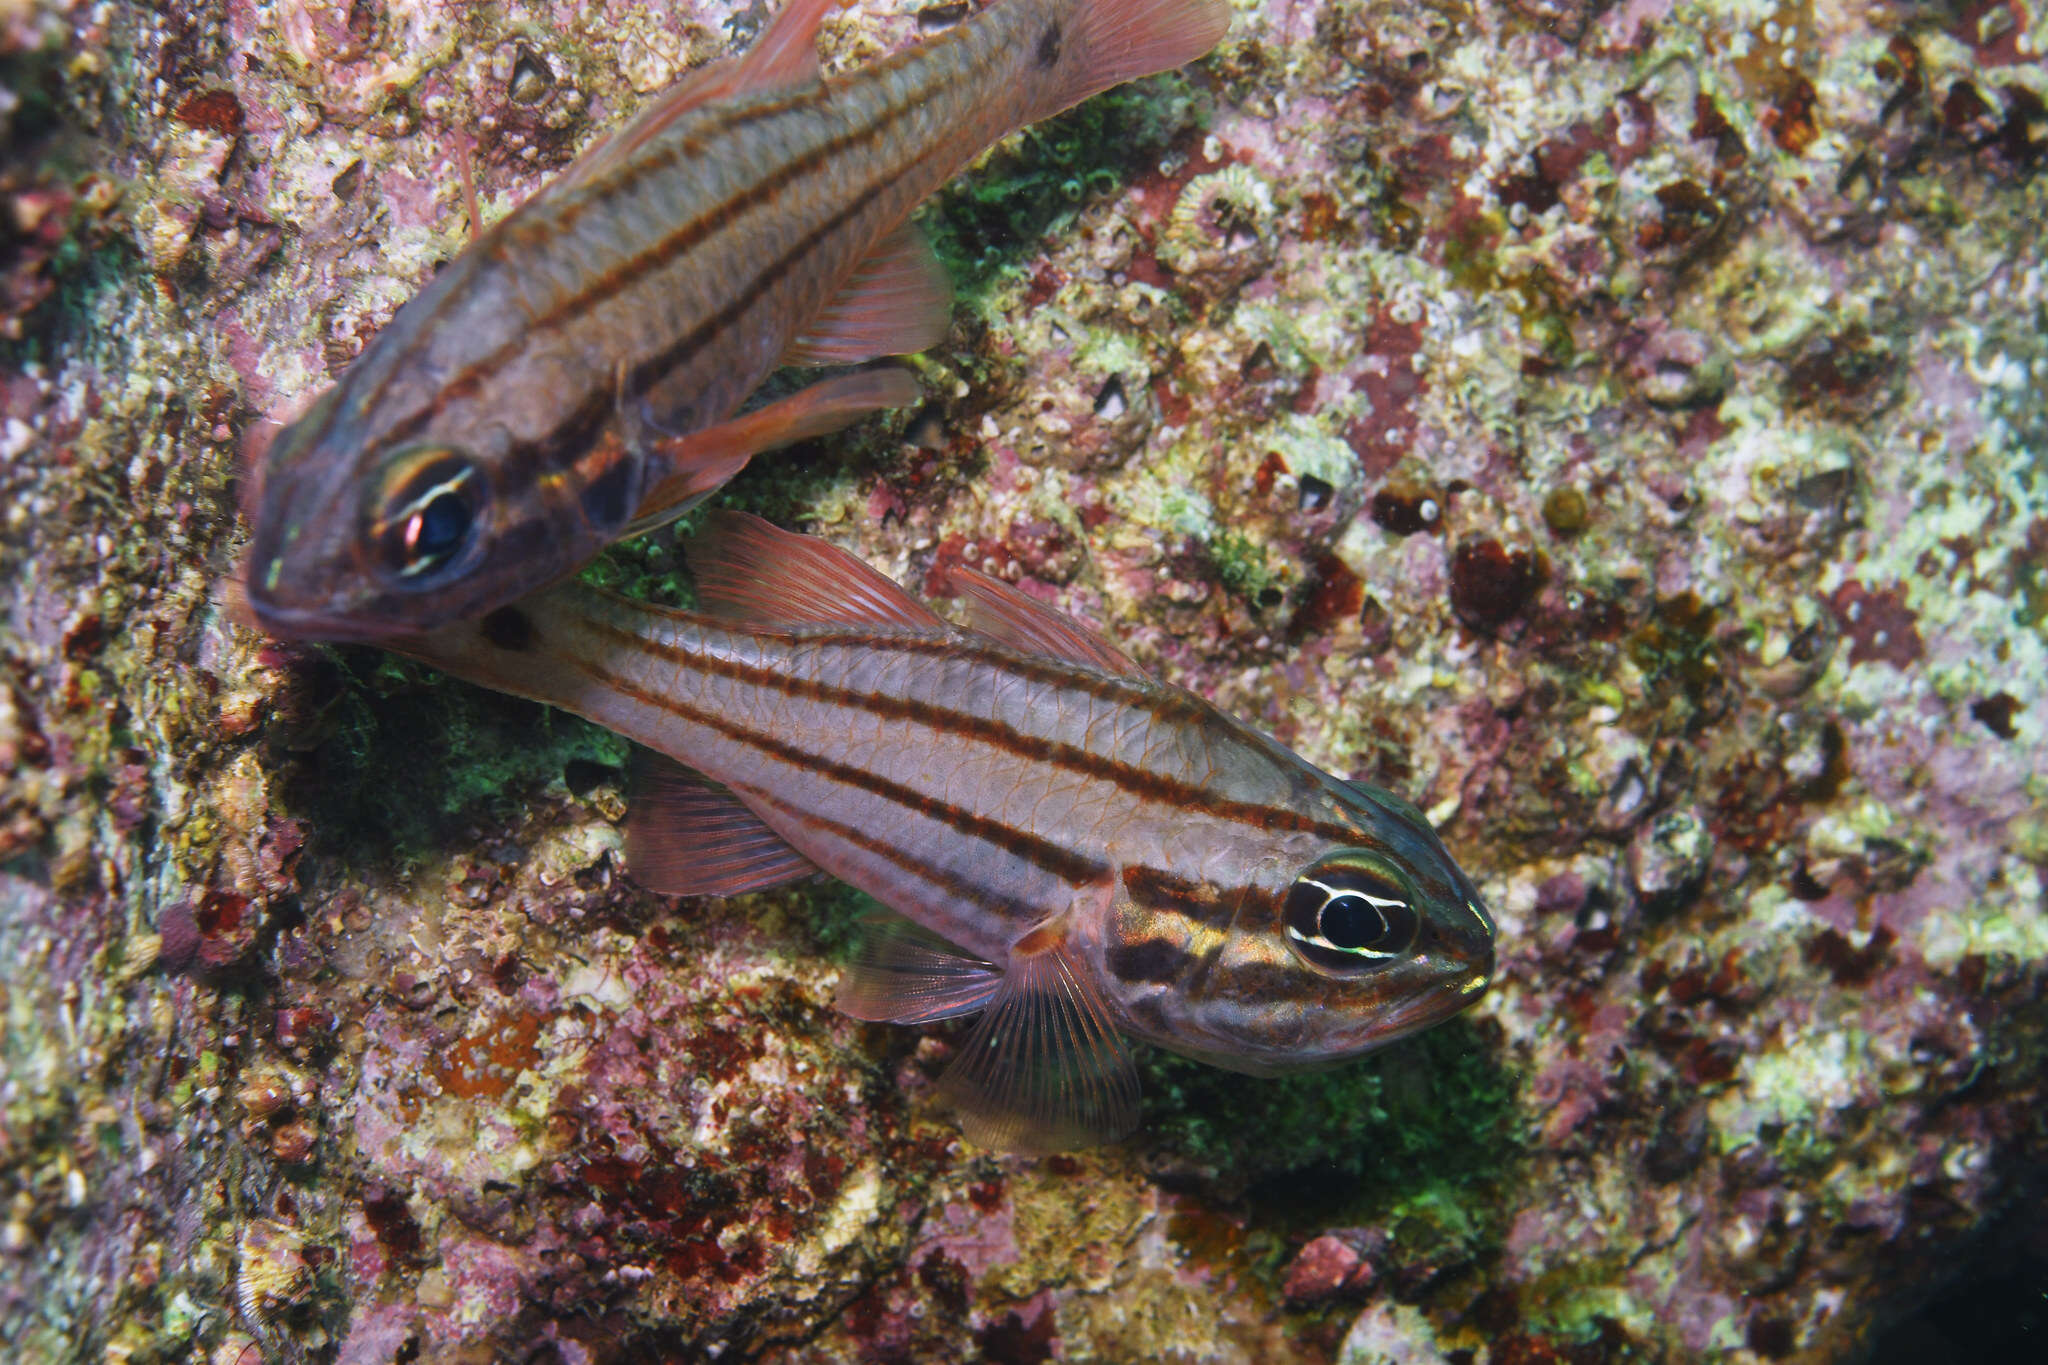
{"x":569,"y":378}
{"x":1054,"y":822}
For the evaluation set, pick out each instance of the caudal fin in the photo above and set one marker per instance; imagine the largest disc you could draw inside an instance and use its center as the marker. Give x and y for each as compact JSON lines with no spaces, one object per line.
{"x":1107,"y":42}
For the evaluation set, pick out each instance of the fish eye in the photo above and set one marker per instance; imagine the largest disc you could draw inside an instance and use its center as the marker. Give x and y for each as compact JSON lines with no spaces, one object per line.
{"x":428,"y":514}
{"x":1349,"y":915}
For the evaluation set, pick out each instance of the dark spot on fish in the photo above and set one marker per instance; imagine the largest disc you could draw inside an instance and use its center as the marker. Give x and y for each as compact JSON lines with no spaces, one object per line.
{"x":608,"y":497}
{"x":1049,"y":46}
{"x":509,"y":629}
{"x":1155,"y":961}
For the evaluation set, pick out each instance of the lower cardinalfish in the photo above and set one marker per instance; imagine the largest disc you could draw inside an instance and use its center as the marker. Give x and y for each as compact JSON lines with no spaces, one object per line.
{"x":571,"y":378}
{"x":1080,"y":854}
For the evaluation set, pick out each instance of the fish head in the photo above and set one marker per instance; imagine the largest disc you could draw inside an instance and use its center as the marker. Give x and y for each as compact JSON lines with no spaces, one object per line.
{"x":1333,"y":948}
{"x":361,"y":539}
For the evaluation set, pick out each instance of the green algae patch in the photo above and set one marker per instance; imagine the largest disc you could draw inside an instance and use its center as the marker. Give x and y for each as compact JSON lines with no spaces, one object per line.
{"x":406,"y":758}
{"x":1032,"y":183}
{"x":1432,"y":1115}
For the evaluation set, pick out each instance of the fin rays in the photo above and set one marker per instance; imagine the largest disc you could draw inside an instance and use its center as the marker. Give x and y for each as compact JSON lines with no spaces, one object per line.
{"x":902,"y":973}
{"x":688,"y":837}
{"x":1044,"y":1068}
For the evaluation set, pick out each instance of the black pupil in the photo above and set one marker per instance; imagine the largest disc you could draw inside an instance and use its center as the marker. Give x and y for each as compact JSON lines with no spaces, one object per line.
{"x":429,"y":517}
{"x":443,"y":525}
{"x":1352,"y":922}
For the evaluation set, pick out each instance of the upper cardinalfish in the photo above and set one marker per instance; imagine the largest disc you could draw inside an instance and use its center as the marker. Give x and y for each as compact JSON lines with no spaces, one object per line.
{"x":1082,"y":852}
{"x":572,"y":377}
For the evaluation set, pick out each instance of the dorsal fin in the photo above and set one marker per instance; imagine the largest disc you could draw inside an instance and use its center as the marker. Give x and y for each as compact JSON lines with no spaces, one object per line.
{"x":896,"y":302}
{"x":784,"y":57}
{"x":748,"y":570}
{"x":1001,"y":611}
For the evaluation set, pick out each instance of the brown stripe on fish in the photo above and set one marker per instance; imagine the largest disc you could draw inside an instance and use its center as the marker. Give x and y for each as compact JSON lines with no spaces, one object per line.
{"x":574,"y":443}
{"x":976,"y":893}
{"x":731,"y":116}
{"x":1201,"y":902}
{"x":681,"y":350}
{"x":1164,"y":707}
{"x":1148,"y":962}
{"x":1069,"y":866}
{"x":684,"y":236}
{"x":1259,"y":983}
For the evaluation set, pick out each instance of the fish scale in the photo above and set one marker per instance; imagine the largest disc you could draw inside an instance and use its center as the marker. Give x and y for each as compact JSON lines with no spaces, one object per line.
{"x":1011,"y":801}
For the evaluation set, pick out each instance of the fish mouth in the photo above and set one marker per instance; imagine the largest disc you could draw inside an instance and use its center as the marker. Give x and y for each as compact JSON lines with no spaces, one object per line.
{"x":1467,"y":956}
{"x":315,"y":625}
{"x":1428,"y":1008}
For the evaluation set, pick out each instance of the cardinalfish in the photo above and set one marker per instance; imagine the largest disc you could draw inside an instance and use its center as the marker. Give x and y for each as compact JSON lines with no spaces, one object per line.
{"x":573,"y":376}
{"x":1076,"y":853}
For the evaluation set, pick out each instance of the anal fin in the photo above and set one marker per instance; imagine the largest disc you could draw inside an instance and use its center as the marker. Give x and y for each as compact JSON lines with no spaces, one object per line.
{"x":902,"y":973}
{"x":895,"y":302}
{"x":696,"y":465}
{"x":688,"y":837}
{"x":1044,"y":1068}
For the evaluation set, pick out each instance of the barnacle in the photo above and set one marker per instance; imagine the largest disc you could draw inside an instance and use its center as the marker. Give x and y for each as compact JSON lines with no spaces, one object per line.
{"x":273,"y":1274}
{"x":1221,"y":228}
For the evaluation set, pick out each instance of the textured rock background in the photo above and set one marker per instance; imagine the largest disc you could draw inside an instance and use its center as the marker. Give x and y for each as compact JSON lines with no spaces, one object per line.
{"x":1618,"y":426}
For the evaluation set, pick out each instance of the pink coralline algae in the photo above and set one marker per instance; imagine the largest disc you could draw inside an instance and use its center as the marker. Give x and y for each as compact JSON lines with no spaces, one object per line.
{"x":1613,"y":427}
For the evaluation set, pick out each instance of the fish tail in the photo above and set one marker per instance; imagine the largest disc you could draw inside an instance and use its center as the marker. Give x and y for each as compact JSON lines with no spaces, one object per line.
{"x":1087,"y":46}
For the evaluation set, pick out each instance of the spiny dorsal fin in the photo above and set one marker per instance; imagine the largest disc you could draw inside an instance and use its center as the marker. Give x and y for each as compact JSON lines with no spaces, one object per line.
{"x":999,"y":610}
{"x":749,"y":571}
{"x":686,"y":836}
{"x":698,"y":464}
{"x":1044,"y":1068}
{"x":902,"y":973}
{"x":783,"y":58}
{"x":895,"y":302}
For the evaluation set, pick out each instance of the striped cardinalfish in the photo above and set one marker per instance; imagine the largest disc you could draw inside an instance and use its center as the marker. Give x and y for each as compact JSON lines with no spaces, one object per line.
{"x":1078,"y":854}
{"x":572,"y":377}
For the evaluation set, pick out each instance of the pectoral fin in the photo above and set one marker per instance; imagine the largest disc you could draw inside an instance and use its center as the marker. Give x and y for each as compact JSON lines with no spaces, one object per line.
{"x":698,"y":464}
{"x":1044,"y":1068}
{"x":895,"y":302}
{"x":904,"y":974}
{"x":686,"y":836}
{"x":997,"y":609}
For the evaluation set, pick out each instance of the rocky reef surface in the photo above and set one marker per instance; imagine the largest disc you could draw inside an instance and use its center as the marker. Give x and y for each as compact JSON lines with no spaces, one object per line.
{"x":1616,"y":425}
